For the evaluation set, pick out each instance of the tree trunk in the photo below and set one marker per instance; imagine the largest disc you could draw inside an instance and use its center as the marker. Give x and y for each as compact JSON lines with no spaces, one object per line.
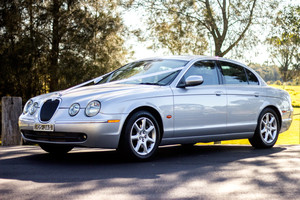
{"x":55,"y":47}
{"x":218,"y":51}
{"x":11,"y":110}
{"x":30,"y":90}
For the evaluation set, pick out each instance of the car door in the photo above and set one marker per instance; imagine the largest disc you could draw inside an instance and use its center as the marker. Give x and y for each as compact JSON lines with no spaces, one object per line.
{"x":200,"y":110}
{"x":244,"y":96}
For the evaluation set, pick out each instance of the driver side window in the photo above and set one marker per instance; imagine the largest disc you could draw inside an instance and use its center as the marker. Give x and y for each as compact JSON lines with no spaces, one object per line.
{"x":206,"y":69}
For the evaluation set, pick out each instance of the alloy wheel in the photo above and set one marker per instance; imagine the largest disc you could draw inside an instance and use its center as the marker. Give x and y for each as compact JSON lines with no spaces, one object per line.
{"x":143,"y":136}
{"x":268,"y":128}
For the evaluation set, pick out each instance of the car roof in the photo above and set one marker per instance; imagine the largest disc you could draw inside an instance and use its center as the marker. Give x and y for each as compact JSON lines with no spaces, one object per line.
{"x":188,"y":58}
{"x":193,"y":57}
{"x":178,"y":57}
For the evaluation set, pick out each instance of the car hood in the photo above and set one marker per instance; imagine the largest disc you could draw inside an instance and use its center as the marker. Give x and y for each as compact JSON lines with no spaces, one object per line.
{"x":103,"y":92}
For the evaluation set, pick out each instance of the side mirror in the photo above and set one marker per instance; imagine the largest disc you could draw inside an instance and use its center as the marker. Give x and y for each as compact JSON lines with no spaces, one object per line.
{"x":193,"y":81}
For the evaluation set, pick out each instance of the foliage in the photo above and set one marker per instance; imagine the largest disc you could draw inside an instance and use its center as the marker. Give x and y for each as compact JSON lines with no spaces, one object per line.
{"x":296,"y":81}
{"x":278,"y":82}
{"x":53,"y":44}
{"x":285,"y":42}
{"x":184,"y":26}
{"x":175,"y":33}
{"x":267,"y":72}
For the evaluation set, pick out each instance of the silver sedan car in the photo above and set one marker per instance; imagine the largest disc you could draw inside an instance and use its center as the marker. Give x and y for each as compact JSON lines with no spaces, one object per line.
{"x":160,"y":101}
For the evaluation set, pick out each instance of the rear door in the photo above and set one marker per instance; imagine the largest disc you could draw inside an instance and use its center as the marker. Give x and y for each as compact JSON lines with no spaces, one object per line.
{"x":244,"y":96}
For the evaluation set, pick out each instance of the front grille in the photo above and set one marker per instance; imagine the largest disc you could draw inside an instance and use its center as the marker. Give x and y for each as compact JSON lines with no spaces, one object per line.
{"x":48,"y":109}
{"x":54,"y":136}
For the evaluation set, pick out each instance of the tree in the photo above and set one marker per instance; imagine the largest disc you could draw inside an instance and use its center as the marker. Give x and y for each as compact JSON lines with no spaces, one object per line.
{"x":18,"y":49}
{"x":266,"y":71}
{"x":285,"y":41}
{"x":177,"y":23}
{"x":93,"y":40}
{"x":175,"y":33}
{"x":53,"y":44}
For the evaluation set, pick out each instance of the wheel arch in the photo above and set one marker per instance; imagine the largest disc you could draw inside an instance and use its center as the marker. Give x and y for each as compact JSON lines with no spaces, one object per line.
{"x":276,"y":110}
{"x":151,"y":110}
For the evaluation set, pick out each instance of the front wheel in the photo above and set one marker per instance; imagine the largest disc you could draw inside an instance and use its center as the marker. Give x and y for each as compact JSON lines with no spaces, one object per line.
{"x":56,"y":149}
{"x":140,"y":137}
{"x":267,"y":130}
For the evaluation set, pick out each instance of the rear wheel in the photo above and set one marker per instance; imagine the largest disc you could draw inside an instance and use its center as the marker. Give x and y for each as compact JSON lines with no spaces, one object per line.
{"x":56,"y":148}
{"x":140,"y":137}
{"x":267,"y":130}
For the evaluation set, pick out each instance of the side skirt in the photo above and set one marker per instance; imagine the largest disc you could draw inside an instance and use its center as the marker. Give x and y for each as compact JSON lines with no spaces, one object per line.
{"x":210,"y":138}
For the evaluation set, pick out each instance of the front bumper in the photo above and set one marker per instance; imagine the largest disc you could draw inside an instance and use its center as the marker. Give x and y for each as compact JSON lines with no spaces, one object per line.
{"x":92,"y":133}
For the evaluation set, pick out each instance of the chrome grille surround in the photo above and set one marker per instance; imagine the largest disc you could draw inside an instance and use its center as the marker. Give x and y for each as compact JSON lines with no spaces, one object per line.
{"x":48,"y":109}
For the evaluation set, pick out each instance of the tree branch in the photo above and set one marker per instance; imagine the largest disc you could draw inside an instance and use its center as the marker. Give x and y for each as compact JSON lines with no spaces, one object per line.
{"x":244,"y":31}
{"x":212,"y":21}
{"x":225,"y":20}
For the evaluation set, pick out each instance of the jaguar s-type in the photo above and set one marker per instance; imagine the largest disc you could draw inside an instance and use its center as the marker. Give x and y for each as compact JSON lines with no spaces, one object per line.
{"x":159,"y":101}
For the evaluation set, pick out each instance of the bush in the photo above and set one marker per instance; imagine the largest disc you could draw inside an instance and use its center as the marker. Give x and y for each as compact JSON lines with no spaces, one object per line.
{"x":296,"y":81}
{"x":278,"y":82}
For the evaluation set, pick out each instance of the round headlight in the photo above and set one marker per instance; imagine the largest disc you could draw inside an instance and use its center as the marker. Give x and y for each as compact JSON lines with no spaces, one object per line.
{"x":92,"y":108}
{"x":74,"y":109}
{"x":27,"y":106}
{"x":33,"y":108}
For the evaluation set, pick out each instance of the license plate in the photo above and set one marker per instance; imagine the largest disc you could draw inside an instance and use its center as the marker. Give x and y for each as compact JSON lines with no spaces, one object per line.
{"x":43,"y":127}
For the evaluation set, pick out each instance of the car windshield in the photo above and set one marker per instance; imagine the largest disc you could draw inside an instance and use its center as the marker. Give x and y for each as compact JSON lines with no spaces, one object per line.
{"x":152,"y":72}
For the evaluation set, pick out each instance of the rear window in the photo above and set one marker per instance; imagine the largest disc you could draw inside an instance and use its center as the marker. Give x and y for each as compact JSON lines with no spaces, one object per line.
{"x":252,"y":79}
{"x":233,"y":74}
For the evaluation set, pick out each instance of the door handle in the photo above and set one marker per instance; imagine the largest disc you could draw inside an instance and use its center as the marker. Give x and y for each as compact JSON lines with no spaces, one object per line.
{"x":256,"y":94}
{"x":219,"y":93}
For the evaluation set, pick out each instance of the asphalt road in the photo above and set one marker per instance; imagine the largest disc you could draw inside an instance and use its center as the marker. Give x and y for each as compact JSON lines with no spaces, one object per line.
{"x":203,"y":172}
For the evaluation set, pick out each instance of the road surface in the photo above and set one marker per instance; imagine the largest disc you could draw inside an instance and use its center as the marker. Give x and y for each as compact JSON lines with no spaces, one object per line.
{"x":202,"y":172}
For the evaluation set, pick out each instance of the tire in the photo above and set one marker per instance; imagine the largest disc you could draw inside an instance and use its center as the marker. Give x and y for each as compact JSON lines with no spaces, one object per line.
{"x":140,"y":136}
{"x":267,"y":130}
{"x":56,"y":149}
